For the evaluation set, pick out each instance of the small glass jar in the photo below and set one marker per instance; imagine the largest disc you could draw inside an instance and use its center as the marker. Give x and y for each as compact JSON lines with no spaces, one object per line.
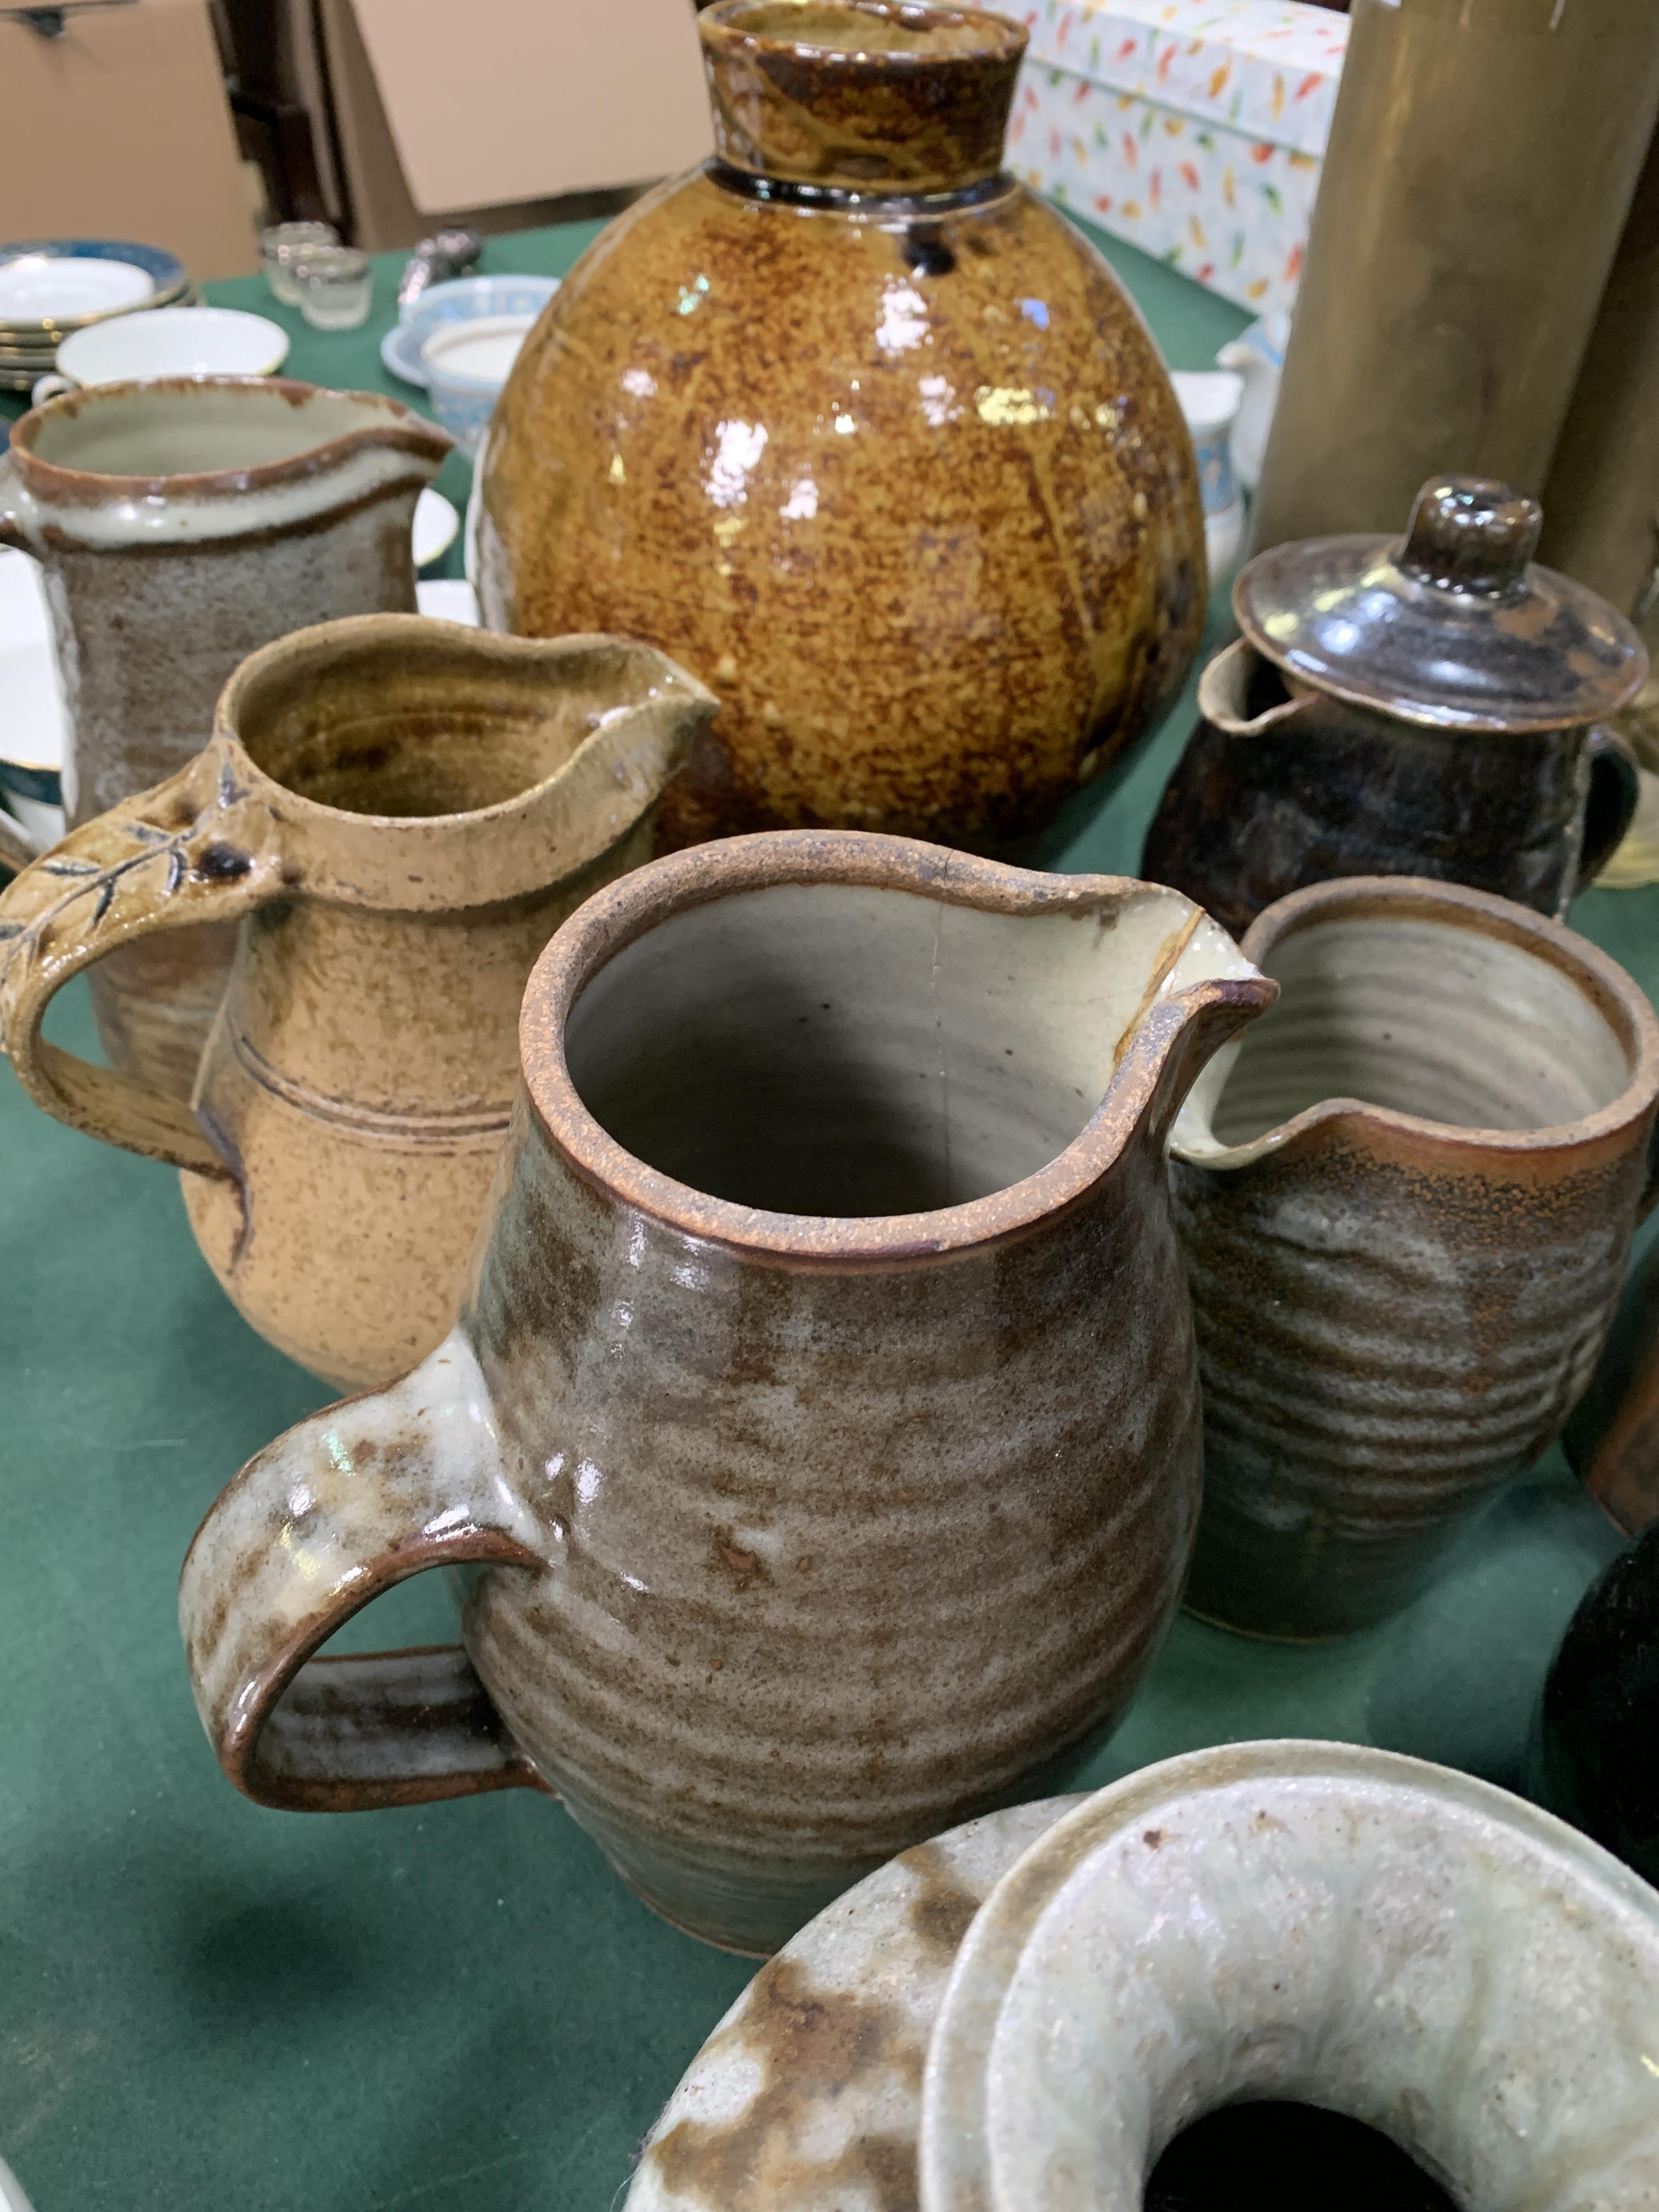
{"x":336,"y":285}
{"x":280,"y":243}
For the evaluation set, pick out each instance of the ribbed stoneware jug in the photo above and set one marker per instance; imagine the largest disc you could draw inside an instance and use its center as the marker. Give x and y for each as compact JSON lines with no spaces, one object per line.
{"x":823,"y":1410}
{"x":398,"y":813}
{"x":182,"y":522}
{"x":1407,"y":1204}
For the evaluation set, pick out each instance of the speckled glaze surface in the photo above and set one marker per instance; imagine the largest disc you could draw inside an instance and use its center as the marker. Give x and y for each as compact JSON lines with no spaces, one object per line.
{"x":867,"y":437}
{"x":1313,"y":1922}
{"x":807,"y":2097}
{"x":398,"y":812}
{"x":182,"y":523}
{"x":1405,"y":1205}
{"x":1423,"y":706}
{"x":826,"y":1379}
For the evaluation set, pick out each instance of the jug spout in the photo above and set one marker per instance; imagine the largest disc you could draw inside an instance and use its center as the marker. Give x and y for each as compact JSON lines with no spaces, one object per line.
{"x":1200,"y":992}
{"x":1242,"y":693}
{"x":929,"y":1050}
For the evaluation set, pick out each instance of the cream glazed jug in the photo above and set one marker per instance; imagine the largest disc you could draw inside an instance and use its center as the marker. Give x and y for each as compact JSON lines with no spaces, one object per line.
{"x":393,"y":817}
{"x":823,"y":1412}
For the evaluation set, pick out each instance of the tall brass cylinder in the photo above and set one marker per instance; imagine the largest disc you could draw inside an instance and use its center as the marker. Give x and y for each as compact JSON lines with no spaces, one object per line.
{"x":1601,"y":497}
{"x":1482,"y":157}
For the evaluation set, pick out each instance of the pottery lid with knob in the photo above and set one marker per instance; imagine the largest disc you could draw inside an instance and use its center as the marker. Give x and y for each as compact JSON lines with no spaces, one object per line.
{"x":1454,"y":625}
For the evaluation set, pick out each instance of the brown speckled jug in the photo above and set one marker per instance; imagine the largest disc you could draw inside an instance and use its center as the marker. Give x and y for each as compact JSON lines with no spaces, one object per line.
{"x":182,"y":522}
{"x":1407,"y":1204}
{"x":822,"y":1413}
{"x":865,"y":435}
{"x":399,"y":813}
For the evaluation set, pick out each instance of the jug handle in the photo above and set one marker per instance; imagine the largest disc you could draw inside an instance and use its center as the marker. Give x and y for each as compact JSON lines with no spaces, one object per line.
{"x":360,"y":1496}
{"x":1223,"y":689}
{"x":16,"y":852}
{"x":1615,"y":791}
{"x":192,"y":849}
{"x":15,"y":507}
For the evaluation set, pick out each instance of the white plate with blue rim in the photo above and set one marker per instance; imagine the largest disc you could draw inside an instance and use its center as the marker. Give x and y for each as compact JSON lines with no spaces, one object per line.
{"x":56,"y":284}
{"x":466,"y":299}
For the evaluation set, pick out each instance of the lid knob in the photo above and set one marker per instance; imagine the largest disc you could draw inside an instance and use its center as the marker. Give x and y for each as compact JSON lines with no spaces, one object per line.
{"x":1471,"y":534}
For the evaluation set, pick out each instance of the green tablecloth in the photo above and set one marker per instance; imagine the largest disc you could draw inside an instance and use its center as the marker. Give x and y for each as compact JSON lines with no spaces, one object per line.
{"x":204,"y":2005}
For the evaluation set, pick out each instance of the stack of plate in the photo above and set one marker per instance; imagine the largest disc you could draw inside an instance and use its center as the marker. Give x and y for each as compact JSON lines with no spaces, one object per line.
{"x":51,"y":286}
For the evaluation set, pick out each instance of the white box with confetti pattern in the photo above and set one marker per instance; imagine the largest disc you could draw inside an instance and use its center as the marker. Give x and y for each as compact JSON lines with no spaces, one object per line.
{"x":1193,"y":128}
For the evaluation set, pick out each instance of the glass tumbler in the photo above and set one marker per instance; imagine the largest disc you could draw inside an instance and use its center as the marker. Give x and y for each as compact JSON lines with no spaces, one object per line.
{"x":336,"y":285}
{"x":278,"y":247}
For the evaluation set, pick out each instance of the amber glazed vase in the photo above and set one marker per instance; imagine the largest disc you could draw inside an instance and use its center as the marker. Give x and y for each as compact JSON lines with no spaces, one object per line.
{"x":868,"y":437}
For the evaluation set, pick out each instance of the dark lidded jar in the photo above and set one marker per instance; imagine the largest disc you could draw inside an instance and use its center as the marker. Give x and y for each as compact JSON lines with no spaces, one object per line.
{"x":1422,"y":706}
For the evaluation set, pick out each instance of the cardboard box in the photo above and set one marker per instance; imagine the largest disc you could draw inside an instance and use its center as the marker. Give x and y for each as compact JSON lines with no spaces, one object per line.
{"x":497,"y":111}
{"x":1195,"y":129}
{"x":121,"y":129}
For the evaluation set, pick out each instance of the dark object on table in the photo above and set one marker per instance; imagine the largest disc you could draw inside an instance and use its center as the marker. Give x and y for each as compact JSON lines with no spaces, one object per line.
{"x":438,"y":260}
{"x":1294,"y":2158}
{"x":1458,"y":251}
{"x":1600,"y":1715}
{"x":886,"y":456}
{"x":1613,"y":1438}
{"x":1424,"y":707}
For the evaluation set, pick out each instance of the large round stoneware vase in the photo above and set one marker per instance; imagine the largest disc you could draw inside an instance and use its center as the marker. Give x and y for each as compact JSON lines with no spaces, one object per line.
{"x":868,"y":437}
{"x":823,"y":1414}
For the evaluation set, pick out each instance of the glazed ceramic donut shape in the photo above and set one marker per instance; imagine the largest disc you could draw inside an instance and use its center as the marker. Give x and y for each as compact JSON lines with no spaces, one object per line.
{"x":1326,"y":1922}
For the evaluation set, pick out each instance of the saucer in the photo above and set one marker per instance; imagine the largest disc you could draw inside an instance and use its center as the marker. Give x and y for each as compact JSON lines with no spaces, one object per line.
{"x":435,"y":524}
{"x":400,"y":354}
{"x":448,"y":598}
{"x":32,"y":719}
{"x":32,"y":724}
{"x":463,"y":299}
{"x":173,"y":342}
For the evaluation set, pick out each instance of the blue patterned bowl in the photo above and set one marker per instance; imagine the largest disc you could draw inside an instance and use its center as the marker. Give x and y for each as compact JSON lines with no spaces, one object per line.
{"x":466,"y":364}
{"x":466,"y":299}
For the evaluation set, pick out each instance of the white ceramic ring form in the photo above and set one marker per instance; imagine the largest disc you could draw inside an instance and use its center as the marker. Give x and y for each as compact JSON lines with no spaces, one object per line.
{"x":754,"y":2101}
{"x":171,"y":342}
{"x":1323,"y":1922}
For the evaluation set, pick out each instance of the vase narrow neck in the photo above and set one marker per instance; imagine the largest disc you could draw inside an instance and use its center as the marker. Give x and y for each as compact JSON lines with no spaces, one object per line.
{"x":859,"y":95}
